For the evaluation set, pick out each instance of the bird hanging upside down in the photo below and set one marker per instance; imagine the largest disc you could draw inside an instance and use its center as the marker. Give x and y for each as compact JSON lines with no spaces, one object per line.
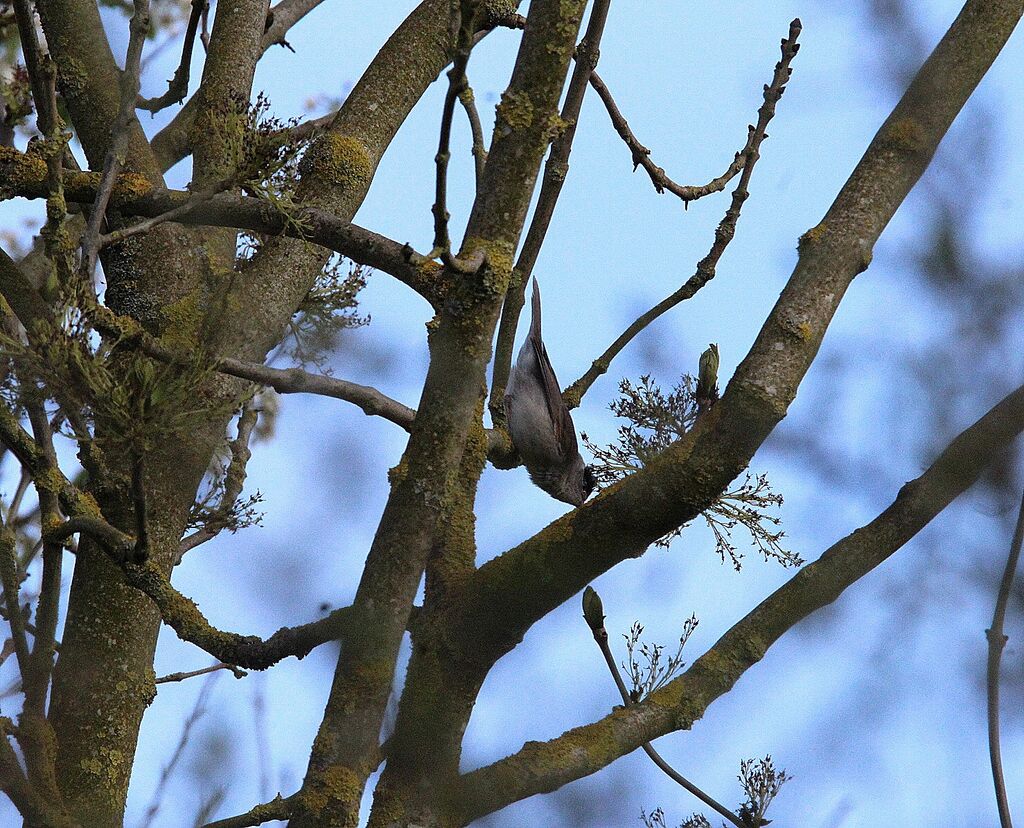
{"x":540,"y":424}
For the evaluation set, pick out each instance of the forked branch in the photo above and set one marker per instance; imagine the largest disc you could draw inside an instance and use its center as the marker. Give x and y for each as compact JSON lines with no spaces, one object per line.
{"x":726,"y":229}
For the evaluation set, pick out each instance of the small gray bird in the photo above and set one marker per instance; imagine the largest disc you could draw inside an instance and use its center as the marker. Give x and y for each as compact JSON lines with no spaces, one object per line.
{"x":540,"y":424}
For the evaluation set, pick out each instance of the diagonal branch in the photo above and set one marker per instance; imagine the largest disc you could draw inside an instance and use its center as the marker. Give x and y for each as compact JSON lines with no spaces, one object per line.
{"x":725,"y":231}
{"x":542,"y":767}
{"x":601,"y":637}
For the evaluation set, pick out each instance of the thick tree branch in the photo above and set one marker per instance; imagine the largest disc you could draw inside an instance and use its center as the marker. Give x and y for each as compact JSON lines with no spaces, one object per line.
{"x":679,"y":484}
{"x":541,"y":767}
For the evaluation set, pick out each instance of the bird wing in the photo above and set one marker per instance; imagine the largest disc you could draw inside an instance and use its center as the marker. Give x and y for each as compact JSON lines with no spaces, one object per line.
{"x":561,"y":420}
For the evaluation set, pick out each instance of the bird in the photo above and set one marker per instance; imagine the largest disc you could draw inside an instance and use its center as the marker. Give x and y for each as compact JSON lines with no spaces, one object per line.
{"x":539,"y":422}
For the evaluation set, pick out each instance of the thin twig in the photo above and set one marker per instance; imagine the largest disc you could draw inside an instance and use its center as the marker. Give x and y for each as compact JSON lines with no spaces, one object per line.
{"x":234,"y":481}
{"x":130,"y":82}
{"x":724,"y":233}
{"x":555,"y":170}
{"x":198,"y":710}
{"x":468,"y":101}
{"x":601,"y":637}
{"x":465,"y":24}
{"x":177,"y":86}
{"x":996,"y":641}
{"x":19,"y":493}
{"x":144,"y":226}
{"x":278,"y":808}
{"x":170,"y":677}
{"x":642,"y":155}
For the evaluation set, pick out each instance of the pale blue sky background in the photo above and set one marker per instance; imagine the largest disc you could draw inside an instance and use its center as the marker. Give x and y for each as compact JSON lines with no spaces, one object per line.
{"x":876,"y":705}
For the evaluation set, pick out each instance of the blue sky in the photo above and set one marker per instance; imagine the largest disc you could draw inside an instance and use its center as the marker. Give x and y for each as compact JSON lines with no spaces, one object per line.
{"x":872,"y":705}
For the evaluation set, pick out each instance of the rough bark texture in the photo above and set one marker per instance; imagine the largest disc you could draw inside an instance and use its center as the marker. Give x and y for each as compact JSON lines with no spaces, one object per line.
{"x":177,"y":290}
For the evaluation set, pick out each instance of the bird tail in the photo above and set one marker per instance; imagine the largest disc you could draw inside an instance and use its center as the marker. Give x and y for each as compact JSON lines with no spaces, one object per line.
{"x":535,"y":312}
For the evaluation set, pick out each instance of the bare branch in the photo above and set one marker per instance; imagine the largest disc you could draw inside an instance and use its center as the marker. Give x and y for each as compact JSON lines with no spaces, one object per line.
{"x":465,"y":25}
{"x":213,"y":668}
{"x":468,"y":101}
{"x":725,"y":231}
{"x":177,"y":86}
{"x":996,"y":641}
{"x":601,"y":637}
{"x":278,"y":808}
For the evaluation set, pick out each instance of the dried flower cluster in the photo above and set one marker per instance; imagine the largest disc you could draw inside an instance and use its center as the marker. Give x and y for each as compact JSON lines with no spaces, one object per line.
{"x":656,"y":420}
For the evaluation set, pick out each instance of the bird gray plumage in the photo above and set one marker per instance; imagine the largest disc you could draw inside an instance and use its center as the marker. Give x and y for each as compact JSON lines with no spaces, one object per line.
{"x":539,"y":421}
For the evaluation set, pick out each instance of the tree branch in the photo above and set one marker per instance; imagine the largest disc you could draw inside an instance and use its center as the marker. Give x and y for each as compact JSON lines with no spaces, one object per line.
{"x":133,"y":196}
{"x":601,"y":638}
{"x":177,"y":86}
{"x":130,"y":81}
{"x":213,"y":668}
{"x":448,"y":411}
{"x":278,"y":808}
{"x":465,"y":25}
{"x":584,"y":750}
{"x":996,"y":641}
{"x":724,"y":232}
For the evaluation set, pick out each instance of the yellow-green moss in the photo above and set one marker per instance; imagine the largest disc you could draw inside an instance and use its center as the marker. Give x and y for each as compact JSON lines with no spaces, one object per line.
{"x":182,"y":320}
{"x":71,"y":77}
{"x":516,"y":110}
{"x":815,"y":234}
{"x":328,"y":788}
{"x":906,"y":134}
{"x":21,"y":172}
{"x":130,"y":187}
{"x":339,"y":160}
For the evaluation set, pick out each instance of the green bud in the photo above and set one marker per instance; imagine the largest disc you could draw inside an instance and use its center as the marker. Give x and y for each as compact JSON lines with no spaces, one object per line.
{"x":593,"y":609}
{"x":706,"y":392}
{"x":707,"y":375}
